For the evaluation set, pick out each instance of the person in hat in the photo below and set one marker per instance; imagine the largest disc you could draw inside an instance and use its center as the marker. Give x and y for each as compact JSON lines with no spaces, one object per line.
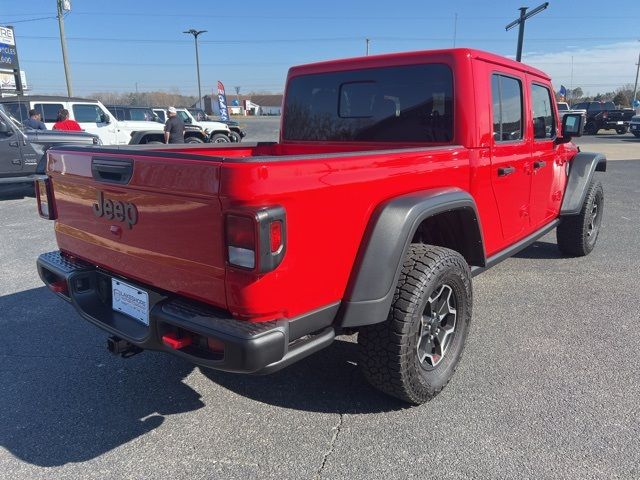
{"x":174,"y":128}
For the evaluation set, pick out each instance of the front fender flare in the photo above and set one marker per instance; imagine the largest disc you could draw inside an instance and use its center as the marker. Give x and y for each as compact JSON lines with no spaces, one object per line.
{"x":581,"y":170}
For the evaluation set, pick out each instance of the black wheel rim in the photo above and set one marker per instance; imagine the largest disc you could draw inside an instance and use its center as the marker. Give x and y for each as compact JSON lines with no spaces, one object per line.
{"x":437,"y":326}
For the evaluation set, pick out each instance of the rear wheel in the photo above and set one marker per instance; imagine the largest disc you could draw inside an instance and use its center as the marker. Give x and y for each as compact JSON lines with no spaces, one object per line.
{"x":621,"y":131}
{"x":155,"y":143}
{"x":219,"y":138}
{"x":414,"y":353}
{"x":235,"y":137}
{"x":577,"y":234}
{"x":590,"y":128}
{"x":193,"y":140}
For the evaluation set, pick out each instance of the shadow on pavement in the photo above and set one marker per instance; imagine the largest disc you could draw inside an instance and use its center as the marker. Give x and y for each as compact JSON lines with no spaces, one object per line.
{"x":62,"y":399}
{"x":13,"y":192}
{"x":328,"y":381}
{"x":540,"y":250}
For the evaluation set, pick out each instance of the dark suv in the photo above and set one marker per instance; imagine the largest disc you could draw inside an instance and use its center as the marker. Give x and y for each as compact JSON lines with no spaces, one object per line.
{"x":605,"y":116}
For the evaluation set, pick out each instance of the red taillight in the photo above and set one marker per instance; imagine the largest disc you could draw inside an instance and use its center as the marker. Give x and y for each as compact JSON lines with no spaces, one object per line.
{"x":275,"y":230}
{"x":605,"y":115}
{"x":44,"y":197}
{"x":256,"y":242}
{"x":241,"y":241}
{"x":59,"y":286}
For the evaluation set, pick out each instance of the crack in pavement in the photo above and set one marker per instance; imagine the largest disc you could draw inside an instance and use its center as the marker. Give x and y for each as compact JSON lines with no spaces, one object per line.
{"x":336,"y":431}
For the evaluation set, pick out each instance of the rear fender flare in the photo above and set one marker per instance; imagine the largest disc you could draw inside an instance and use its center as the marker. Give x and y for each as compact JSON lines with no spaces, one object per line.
{"x":386,"y":241}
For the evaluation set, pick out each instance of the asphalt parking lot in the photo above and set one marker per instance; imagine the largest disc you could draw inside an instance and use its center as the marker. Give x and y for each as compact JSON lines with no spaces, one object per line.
{"x":548,"y":387}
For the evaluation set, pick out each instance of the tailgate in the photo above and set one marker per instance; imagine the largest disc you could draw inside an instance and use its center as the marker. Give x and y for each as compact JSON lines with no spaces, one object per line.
{"x":153,"y":219}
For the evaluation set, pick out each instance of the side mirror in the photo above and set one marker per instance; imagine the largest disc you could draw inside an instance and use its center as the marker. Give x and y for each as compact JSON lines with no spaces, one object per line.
{"x":572,"y":126}
{"x":104,"y":118}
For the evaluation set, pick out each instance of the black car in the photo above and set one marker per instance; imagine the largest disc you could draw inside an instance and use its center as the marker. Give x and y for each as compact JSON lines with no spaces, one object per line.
{"x":605,"y":116}
{"x":23,"y":150}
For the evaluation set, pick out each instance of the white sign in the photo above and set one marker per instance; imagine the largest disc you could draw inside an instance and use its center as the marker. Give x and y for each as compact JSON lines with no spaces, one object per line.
{"x":8,"y":80}
{"x":6,"y":36}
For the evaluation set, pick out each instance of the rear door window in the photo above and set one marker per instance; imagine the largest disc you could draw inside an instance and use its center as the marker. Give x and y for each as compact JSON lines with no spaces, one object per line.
{"x":506,"y":95}
{"x":87,"y":113}
{"x":410,"y":103}
{"x":48,"y":111}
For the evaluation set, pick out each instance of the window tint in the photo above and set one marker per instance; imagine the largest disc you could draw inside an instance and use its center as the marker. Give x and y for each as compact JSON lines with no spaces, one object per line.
{"x":412,"y":103}
{"x":595,"y":107}
{"x":184,"y":116}
{"x":48,"y":111}
{"x":117,"y":112}
{"x":141,"y":114}
{"x":17,"y":110}
{"x":563,"y":106}
{"x":544,"y":125}
{"x":507,"y":108}
{"x":87,"y":113}
{"x":160,"y":115}
{"x":580,"y":106}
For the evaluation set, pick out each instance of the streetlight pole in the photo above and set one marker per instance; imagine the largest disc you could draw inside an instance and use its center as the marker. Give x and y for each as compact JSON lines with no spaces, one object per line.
{"x":520,"y":22}
{"x":368,"y":41}
{"x":64,"y":6}
{"x":195,"y":34}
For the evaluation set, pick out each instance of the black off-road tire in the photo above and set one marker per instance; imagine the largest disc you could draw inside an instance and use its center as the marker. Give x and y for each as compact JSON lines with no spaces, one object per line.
{"x":590,"y":128}
{"x":235,"y":137}
{"x":219,"y":138}
{"x":193,"y":140}
{"x":621,"y":131}
{"x":389,"y":355}
{"x":577,"y":234}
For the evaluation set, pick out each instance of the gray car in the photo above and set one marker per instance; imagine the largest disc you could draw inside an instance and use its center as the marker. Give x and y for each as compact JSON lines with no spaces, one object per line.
{"x":23,"y":150}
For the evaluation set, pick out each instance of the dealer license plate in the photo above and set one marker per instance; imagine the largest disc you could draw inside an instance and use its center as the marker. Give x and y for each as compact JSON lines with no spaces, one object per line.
{"x":620,"y":122}
{"x":130,"y":300}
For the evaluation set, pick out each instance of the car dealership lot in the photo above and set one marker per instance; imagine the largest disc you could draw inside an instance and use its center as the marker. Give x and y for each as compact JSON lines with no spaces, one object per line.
{"x":548,"y":386}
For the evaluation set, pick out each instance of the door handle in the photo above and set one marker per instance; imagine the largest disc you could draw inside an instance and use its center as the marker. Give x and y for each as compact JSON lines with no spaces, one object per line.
{"x":16,"y":161}
{"x":14,"y":143}
{"x":539,"y":164}
{"x":504,"y":171}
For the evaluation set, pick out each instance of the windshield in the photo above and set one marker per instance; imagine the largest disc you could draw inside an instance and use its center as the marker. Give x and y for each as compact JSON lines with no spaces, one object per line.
{"x":563,"y":106}
{"x":198,"y":114}
{"x":7,"y":116}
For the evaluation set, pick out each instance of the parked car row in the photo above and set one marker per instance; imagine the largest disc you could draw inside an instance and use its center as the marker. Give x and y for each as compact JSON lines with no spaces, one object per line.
{"x":118,"y":124}
{"x":605,"y":116}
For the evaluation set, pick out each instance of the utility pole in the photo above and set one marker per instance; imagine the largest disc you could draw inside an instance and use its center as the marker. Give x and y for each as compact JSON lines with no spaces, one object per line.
{"x":635,"y":86}
{"x":455,"y":28}
{"x":571,"y":82}
{"x":195,"y":34}
{"x":520,"y":22}
{"x":64,"y":6}
{"x":367,"y":40}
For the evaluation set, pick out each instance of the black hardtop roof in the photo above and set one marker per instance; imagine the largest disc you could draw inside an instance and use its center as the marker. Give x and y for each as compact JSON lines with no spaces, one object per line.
{"x":45,"y":98}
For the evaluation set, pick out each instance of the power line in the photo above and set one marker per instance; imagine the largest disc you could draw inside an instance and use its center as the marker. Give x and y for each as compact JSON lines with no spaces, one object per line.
{"x":10,"y":22}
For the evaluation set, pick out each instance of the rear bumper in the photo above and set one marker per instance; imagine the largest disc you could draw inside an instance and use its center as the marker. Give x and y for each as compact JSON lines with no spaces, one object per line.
{"x":614,"y":124}
{"x":215,"y":339}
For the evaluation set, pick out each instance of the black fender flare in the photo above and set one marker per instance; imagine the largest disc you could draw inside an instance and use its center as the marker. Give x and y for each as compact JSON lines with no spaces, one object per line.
{"x":136,"y":137}
{"x":375,"y":273}
{"x":581,"y":170}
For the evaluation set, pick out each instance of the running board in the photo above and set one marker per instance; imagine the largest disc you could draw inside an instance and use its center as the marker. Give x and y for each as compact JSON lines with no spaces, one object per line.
{"x":515,"y":248}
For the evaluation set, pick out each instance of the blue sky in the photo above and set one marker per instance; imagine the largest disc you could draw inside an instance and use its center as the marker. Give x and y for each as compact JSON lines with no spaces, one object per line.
{"x":114,"y":44}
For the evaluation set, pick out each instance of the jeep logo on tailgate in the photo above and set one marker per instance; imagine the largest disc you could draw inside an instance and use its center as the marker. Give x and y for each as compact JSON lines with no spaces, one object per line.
{"x":113,"y":209}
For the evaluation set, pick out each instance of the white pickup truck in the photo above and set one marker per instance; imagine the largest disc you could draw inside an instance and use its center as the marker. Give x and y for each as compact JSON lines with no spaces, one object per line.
{"x":564,"y":108}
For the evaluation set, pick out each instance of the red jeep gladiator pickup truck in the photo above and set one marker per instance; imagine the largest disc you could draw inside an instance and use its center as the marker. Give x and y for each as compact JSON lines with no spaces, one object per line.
{"x":396,"y":179}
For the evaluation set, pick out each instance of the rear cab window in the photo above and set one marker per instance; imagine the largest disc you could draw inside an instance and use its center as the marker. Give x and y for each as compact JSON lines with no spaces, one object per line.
{"x":507,"y":102}
{"x":410,"y":103}
{"x":48,"y":111}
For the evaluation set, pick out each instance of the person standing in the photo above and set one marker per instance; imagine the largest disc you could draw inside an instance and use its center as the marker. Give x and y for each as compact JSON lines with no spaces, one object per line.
{"x":64,"y":123}
{"x":35,"y":121}
{"x":174,"y":128}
